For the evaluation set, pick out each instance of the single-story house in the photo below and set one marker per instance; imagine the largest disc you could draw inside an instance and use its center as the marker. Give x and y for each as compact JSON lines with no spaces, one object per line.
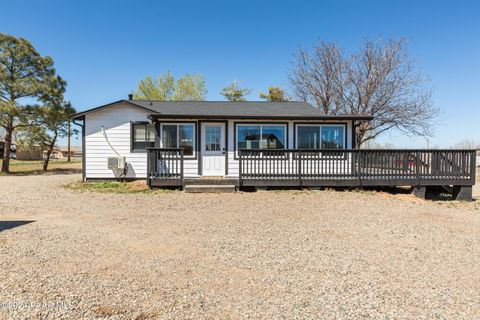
{"x":29,"y":153}
{"x":61,"y":152}
{"x":177,"y":143}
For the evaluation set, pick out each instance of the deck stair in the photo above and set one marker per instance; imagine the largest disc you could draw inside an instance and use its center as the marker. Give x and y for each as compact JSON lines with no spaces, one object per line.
{"x":209,"y":188}
{"x":210,"y":185}
{"x":211,"y":180}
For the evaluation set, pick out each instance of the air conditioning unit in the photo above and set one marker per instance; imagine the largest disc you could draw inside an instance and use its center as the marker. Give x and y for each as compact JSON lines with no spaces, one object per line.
{"x":116,"y":163}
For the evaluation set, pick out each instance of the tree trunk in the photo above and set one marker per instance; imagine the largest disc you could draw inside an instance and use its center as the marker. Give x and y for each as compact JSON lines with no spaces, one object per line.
{"x":47,"y":159}
{"x":68,"y":149}
{"x":361,"y":134}
{"x":6,"y":148}
{"x":359,"y":137}
{"x":49,"y":153}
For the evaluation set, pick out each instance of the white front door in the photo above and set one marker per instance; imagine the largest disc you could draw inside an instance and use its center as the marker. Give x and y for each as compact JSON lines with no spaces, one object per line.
{"x":213,"y":149}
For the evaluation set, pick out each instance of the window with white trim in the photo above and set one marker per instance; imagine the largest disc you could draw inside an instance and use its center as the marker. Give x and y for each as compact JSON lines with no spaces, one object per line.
{"x":178,"y":135}
{"x":324,"y":136}
{"x":261,"y":136}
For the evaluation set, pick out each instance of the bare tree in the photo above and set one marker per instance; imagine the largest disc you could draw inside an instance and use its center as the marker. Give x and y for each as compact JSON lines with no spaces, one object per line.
{"x":379,"y":80}
{"x":318,"y":77}
{"x":466,"y":144}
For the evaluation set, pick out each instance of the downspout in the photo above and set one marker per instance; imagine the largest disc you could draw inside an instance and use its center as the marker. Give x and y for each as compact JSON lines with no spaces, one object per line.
{"x":84,"y":175}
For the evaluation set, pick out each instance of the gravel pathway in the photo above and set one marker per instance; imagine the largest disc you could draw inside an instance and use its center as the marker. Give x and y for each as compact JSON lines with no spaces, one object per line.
{"x":286,"y":254}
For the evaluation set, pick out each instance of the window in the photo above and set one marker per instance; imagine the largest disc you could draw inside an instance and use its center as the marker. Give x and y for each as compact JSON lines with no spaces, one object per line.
{"x":143,"y":136}
{"x":261,"y":136}
{"x":310,"y":136}
{"x":213,"y":135}
{"x":179,"y":135}
{"x":333,"y":137}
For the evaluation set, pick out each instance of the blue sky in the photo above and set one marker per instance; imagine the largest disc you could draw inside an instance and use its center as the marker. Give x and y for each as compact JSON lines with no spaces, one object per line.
{"x":104,"y":48}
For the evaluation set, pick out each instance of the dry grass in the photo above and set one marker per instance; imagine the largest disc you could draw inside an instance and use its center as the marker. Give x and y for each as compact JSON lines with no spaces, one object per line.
{"x":33,"y":167}
{"x":113,"y":187}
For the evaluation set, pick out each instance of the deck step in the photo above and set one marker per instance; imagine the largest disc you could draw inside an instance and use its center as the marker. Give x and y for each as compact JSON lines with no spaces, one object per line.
{"x":211,"y":181}
{"x":211,"y":188}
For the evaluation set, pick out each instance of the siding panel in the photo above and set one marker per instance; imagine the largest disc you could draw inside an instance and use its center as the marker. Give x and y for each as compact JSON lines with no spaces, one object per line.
{"x":116,"y":121}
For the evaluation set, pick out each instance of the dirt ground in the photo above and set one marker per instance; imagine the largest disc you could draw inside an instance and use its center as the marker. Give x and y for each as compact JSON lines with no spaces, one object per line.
{"x":270,"y":254}
{"x":476,"y":187}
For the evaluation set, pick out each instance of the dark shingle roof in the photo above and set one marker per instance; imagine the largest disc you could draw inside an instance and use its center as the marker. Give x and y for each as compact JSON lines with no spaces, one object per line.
{"x":227,"y":109}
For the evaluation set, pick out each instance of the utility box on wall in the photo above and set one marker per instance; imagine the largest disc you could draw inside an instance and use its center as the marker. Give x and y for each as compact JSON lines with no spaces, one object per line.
{"x":116,"y":163}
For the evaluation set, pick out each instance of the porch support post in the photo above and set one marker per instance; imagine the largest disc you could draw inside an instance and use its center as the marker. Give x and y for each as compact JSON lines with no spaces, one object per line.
{"x":240,"y":168}
{"x":419,"y":192}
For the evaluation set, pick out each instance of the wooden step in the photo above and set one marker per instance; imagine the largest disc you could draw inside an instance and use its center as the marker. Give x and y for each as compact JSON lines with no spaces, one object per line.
{"x":211,"y":181}
{"x":211,"y":188}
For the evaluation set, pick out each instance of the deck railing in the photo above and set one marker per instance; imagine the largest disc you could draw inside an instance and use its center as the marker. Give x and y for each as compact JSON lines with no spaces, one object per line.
{"x":293,"y":167}
{"x":165,"y":167}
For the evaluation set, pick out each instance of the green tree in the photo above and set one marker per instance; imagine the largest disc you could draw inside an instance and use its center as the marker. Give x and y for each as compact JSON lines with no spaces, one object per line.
{"x":190,"y":87}
{"x":24,"y":73}
{"x":52,"y":122}
{"x":234,"y":93}
{"x":275,"y":94}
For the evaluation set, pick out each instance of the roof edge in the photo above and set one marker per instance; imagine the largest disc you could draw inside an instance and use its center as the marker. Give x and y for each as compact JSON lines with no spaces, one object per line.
{"x":221,"y":101}
{"x":130,"y":102}
{"x":324,"y":117}
{"x":156,"y":115}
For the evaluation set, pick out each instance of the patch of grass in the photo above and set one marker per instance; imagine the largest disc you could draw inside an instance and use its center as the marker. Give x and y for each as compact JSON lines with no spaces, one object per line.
{"x":114,"y":187}
{"x":33,"y":167}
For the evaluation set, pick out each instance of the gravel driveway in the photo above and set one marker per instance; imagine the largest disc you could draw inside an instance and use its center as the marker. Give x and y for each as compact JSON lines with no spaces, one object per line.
{"x":287,"y":254}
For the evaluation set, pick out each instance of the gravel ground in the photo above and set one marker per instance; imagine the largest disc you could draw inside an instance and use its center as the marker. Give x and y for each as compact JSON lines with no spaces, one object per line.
{"x":285,"y":254}
{"x":476,"y":188}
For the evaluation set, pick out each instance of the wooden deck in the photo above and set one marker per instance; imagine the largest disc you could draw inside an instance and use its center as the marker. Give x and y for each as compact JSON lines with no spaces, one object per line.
{"x":320,"y":168}
{"x":347,"y":168}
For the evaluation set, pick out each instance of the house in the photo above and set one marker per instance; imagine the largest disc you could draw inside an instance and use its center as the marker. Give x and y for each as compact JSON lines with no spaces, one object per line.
{"x":259,"y":144}
{"x":29,"y":152}
{"x":210,"y":133}
{"x":61,"y":152}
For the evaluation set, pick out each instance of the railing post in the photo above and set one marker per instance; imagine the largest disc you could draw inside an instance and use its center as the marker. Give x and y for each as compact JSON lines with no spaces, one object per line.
{"x":181,"y":168}
{"x":358,"y":152}
{"x":240,"y":168}
{"x":299,"y":169}
{"x":473,"y":166}
{"x":417,"y":168}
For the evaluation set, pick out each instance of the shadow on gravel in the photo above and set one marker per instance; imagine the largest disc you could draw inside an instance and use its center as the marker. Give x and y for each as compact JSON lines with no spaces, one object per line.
{"x":6,"y":225}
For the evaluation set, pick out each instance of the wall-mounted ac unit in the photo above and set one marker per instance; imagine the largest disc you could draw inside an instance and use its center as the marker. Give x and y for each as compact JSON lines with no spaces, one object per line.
{"x":116,"y":163}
